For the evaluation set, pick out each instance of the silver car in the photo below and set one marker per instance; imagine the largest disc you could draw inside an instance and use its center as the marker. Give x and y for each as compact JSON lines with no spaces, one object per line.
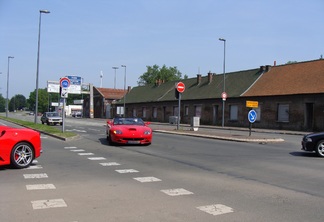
{"x":51,"y":118}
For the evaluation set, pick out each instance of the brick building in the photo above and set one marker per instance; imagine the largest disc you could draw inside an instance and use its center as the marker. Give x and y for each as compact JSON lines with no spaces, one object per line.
{"x":289,"y":97}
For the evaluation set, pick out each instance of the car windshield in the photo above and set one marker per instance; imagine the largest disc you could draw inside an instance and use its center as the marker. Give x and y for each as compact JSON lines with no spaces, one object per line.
{"x":129,"y":121}
{"x":52,"y":114}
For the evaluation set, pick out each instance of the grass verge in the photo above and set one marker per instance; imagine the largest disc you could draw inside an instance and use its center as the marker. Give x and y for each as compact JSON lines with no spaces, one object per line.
{"x":40,"y":127}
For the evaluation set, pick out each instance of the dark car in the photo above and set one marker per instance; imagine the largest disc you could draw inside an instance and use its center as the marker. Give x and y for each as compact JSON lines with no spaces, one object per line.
{"x":51,"y":118}
{"x":314,"y":142}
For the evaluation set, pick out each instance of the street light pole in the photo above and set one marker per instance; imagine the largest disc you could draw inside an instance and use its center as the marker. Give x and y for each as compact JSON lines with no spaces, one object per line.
{"x":37,"y":69}
{"x":115,"y":76}
{"x":7,"y":100}
{"x":224,"y":40}
{"x":124,"y":90}
{"x":0,"y":74}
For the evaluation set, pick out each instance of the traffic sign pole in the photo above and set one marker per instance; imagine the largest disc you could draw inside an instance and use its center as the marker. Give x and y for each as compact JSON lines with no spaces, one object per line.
{"x":252,"y":116}
{"x":180,"y":88}
{"x":179,"y":102}
{"x":64,"y":84}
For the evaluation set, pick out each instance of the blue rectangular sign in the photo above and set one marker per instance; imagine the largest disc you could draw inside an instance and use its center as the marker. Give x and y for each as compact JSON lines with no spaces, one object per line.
{"x":75,"y":80}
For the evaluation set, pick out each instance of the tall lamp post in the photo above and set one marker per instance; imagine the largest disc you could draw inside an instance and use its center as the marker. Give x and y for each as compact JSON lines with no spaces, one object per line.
{"x":224,"y":40}
{"x":7,"y":100}
{"x":115,"y":76}
{"x":37,"y":69}
{"x":124,"y":90}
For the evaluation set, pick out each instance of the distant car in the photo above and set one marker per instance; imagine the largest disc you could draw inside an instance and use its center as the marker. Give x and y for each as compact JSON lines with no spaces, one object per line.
{"x":51,"y":118}
{"x":128,"y":131}
{"x":77,"y":114}
{"x":314,"y":142}
{"x":19,"y":147}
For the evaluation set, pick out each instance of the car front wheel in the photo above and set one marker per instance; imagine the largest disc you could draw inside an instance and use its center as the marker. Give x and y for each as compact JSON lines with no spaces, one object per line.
{"x":320,"y":148}
{"x":22,"y":155}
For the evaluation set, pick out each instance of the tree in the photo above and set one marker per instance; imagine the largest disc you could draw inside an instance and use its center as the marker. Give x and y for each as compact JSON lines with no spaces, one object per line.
{"x":291,"y":62}
{"x":43,"y":100}
{"x":17,"y":102}
{"x":2,"y":104}
{"x":155,"y":73}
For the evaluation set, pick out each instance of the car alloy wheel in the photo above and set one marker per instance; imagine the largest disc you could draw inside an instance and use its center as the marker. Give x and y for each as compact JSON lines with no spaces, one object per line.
{"x":320,"y":148}
{"x":22,"y":155}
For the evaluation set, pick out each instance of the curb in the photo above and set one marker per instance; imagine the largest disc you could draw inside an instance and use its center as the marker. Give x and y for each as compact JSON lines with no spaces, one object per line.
{"x":254,"y":140}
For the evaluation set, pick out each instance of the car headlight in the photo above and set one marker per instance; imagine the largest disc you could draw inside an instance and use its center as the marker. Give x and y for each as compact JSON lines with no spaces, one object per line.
{"x":118,"y":132}
{"x":147,"y":132}
{"x":308,"y":139}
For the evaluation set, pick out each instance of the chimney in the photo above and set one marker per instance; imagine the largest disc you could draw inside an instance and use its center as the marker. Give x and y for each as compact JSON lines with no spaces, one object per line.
{"x":274,"y":63}
{"x":198,"y":79}
{"x":129,"y":89}
{"x":210,"y":77}
{"x":268,"y":68}
{"x":262,"y":68}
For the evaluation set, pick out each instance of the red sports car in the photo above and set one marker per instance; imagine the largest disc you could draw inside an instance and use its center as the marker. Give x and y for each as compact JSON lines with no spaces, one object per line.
{"x":128,"y":131}
{"x":19,"y":146}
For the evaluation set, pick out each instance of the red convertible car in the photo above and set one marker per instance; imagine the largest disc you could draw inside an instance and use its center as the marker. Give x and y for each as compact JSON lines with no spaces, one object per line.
{"x":19,"y":146}
{"x":128,"y":131}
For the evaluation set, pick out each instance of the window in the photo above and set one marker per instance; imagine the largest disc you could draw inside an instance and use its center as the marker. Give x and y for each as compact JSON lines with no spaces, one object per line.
{"x":154,"y":112}
{"x":283,"y":113}
{"x":175,"y":111}
{"x":233,"y":112}
{"x":144,"y":112}
{"x":186,"y":110}
{"x":134,"y":112}
{"x":198,"y":111}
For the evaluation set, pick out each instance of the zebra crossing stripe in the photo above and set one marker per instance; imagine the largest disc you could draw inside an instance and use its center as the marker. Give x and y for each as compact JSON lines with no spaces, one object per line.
{"x":40,"y":187}
{"x":35,"y":176}
{"x":44,"y":204}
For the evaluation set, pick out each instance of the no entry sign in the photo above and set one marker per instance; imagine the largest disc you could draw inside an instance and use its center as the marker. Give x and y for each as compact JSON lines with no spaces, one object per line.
{"x":180,"y":87}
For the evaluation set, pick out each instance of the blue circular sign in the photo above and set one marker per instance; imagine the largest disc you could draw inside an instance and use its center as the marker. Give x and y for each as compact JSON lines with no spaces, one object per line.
{"x":65,"y":82}
{"x":252,"y":116}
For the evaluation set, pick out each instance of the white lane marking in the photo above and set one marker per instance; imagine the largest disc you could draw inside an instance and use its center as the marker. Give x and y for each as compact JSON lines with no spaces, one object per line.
{"x":97,"y":130}
{"x":110,"y":164}
{"x":35,"y":176}
{"x":34,"y":167}
{"x":80,"y":150}
{"x":127,"y":171}
{"x":96,"y":158}
{"x":177,"y":192}
{"x":40,"y":187}
{"x":85,"y":154}
{"x":147,"y":179}
{"x":76,"y":130}
{"x":70,"y":147}
{"x":35,"y":161}
{"x":44,"y":204}
{"x":216,"y":209}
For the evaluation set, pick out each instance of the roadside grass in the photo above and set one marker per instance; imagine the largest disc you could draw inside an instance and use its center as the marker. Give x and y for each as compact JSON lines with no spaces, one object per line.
{"x":40,"y":127}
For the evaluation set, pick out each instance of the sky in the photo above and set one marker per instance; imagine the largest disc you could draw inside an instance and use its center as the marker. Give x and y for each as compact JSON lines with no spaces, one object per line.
{"x":86,"y":38}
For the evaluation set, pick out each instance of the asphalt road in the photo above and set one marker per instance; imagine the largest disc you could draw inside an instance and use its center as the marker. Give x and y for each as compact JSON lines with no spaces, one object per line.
{"x":177,"y":178}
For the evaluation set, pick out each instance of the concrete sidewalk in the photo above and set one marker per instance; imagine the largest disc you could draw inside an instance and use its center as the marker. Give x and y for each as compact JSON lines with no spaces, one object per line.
{"x":225,"y":133}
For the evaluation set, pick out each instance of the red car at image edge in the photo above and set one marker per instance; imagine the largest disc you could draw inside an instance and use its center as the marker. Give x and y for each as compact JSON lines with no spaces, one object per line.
{"x":19,"y":146}
{"x":128,"y":131}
